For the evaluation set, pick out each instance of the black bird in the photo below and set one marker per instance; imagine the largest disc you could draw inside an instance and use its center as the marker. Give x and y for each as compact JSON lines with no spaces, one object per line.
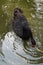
{"x":21,"y":26}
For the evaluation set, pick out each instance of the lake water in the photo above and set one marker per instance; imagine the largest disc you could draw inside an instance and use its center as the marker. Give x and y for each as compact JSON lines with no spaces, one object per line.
{"x":13,"y":50}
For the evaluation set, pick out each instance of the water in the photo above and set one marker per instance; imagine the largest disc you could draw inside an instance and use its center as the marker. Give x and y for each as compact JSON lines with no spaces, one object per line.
{"x":13,"y":50}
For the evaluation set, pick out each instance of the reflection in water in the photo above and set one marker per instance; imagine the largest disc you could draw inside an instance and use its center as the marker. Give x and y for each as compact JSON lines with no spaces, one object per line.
{"x":14,"y":51}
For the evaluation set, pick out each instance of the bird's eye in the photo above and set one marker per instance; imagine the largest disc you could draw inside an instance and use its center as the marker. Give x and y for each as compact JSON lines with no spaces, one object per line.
{"x":15,"y":11}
